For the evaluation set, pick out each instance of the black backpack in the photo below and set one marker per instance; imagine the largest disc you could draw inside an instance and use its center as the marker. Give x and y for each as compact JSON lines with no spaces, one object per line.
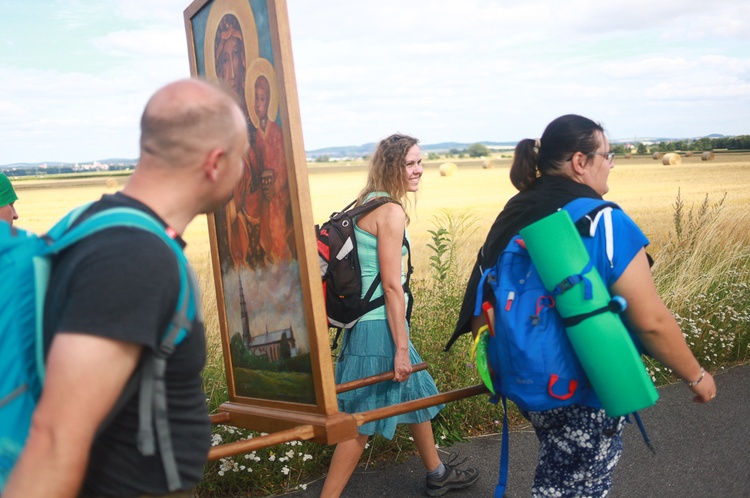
{"x":341,"y":271}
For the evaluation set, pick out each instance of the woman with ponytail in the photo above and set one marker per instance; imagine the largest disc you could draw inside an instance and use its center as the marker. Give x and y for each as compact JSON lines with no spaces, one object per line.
{"x":580,"y":445}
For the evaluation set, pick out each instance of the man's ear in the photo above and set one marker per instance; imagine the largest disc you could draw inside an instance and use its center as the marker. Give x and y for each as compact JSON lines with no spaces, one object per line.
{"x":212,"y":163}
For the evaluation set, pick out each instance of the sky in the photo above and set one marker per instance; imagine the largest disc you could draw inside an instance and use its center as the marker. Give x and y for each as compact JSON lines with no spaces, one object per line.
{"x":76,"y":74}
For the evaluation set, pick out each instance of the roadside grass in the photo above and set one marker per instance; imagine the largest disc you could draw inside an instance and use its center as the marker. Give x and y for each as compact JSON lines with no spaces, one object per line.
{"x":703,"y":275}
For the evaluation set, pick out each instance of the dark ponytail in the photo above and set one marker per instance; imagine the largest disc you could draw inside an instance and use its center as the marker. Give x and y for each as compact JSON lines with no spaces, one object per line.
{"x":562,"y":138}
{"x":523,"y":172}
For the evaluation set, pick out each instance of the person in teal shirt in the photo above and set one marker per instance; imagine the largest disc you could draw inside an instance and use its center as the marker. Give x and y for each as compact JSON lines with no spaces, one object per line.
{"x":379,"y":341}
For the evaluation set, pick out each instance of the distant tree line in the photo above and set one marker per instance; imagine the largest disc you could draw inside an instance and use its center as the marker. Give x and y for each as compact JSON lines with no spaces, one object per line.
{"x":473,"y":150}
{"x":57,"y":170}
{"x":476,"y":150}
{"x":739,"y":142}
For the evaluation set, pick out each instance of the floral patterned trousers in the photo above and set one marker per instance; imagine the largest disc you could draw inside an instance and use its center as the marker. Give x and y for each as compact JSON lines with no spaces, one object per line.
{"x":579,"y":448}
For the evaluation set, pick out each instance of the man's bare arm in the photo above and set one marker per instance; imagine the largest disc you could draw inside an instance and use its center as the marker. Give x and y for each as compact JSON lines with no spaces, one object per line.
{"x":84,"y":378}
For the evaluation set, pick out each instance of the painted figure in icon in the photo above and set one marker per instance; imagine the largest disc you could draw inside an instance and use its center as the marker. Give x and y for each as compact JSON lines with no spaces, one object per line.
{"x":275,"y":226}
{"x":240,"y":221}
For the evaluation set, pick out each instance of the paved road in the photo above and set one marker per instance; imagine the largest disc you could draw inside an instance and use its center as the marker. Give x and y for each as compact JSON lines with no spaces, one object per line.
{"x":701,"y":452}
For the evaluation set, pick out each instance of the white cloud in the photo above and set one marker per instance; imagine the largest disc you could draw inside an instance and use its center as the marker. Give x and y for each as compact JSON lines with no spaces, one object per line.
{"x":10,"y":110}
{"x":518,"y":63}
{"x":442,"y":70}
{"x":162,"y":12}
{"x":656,"y":66}
{"x":689,"y":91}
{"x":145,"y":42}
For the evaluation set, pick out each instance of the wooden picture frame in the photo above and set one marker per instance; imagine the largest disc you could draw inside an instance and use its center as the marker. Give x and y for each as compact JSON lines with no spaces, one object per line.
{"x":270,"y":304}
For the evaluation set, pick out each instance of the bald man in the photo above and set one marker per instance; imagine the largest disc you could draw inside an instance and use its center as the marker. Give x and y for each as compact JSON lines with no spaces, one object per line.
{"x":112,"y":296}
{"x":8,"y":200}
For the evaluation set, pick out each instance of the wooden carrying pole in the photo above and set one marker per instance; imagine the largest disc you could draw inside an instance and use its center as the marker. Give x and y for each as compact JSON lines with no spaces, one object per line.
{"x":418,"y":404}
{"x":300,"y":433}
{"x":368,"y":381}
{"x":307,"y":432}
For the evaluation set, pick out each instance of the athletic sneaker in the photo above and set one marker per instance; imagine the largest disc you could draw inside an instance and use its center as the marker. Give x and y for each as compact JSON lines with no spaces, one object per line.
{"x":453,"y":478}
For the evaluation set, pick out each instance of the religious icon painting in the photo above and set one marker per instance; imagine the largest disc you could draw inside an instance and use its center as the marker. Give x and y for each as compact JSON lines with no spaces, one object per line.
{"x":270,"y":310}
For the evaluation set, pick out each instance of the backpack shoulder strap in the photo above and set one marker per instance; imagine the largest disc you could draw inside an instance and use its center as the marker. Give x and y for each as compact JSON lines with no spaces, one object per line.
{"x":187,"y":308}
{"x":66,"y":222}
{"x":406,"y":286}
{"x":583,"y":206}
{"x":587,"y":214}
{"x":368,"y":206}
{"x":63,"y":236}
{"x":380,"y":301}
{"x":502,"y":481}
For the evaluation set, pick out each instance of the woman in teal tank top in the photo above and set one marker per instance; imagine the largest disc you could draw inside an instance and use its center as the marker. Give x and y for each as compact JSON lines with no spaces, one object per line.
{"x":379,"y":342}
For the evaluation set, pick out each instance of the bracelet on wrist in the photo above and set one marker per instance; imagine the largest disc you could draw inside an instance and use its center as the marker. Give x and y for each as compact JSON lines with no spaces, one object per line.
{"x":696,"y":382}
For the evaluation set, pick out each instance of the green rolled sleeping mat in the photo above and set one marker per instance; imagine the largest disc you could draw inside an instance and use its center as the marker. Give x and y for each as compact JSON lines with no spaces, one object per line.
{"x":602,"y":344}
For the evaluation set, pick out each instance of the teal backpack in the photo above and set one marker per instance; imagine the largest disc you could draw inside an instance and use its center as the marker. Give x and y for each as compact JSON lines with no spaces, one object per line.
{"x":25,"y":264}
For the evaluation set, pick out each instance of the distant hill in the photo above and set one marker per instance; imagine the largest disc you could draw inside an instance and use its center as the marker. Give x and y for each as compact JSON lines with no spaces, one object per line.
{"x":340,"y":152}
{"x":356,"y":151}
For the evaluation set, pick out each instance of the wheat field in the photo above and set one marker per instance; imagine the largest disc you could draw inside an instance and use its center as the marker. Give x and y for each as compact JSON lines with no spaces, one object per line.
{"x":646,"y":189}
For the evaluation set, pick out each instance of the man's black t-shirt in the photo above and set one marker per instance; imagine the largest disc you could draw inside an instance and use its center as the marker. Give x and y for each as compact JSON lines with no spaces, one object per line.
{"x":123,"y":284}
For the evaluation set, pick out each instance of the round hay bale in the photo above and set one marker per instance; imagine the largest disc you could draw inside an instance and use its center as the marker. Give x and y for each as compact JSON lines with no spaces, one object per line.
{"x":689,"y":153}
{"x":487,"y":163}
{"x":629,"y":156}
{"x":707,"y":156}
{"x":671,"y":159}
{"x":447,"y":169}
{"x":658,"y":155}
{"x":111,"y":183}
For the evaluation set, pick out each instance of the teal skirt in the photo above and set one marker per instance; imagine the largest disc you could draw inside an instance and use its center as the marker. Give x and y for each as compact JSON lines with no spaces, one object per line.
{"x":366,"y":350}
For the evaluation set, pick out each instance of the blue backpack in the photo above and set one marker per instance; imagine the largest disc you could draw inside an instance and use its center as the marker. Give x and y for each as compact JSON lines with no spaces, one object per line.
{"x":532,"y":360}
{"x":25,"y":264}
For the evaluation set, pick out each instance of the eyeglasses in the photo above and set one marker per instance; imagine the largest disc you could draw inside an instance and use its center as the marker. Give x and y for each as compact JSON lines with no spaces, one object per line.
{"x":608,"y":155}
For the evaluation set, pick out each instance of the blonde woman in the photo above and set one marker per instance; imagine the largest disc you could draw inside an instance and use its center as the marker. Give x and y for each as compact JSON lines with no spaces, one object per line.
{"x":379,"y":342}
